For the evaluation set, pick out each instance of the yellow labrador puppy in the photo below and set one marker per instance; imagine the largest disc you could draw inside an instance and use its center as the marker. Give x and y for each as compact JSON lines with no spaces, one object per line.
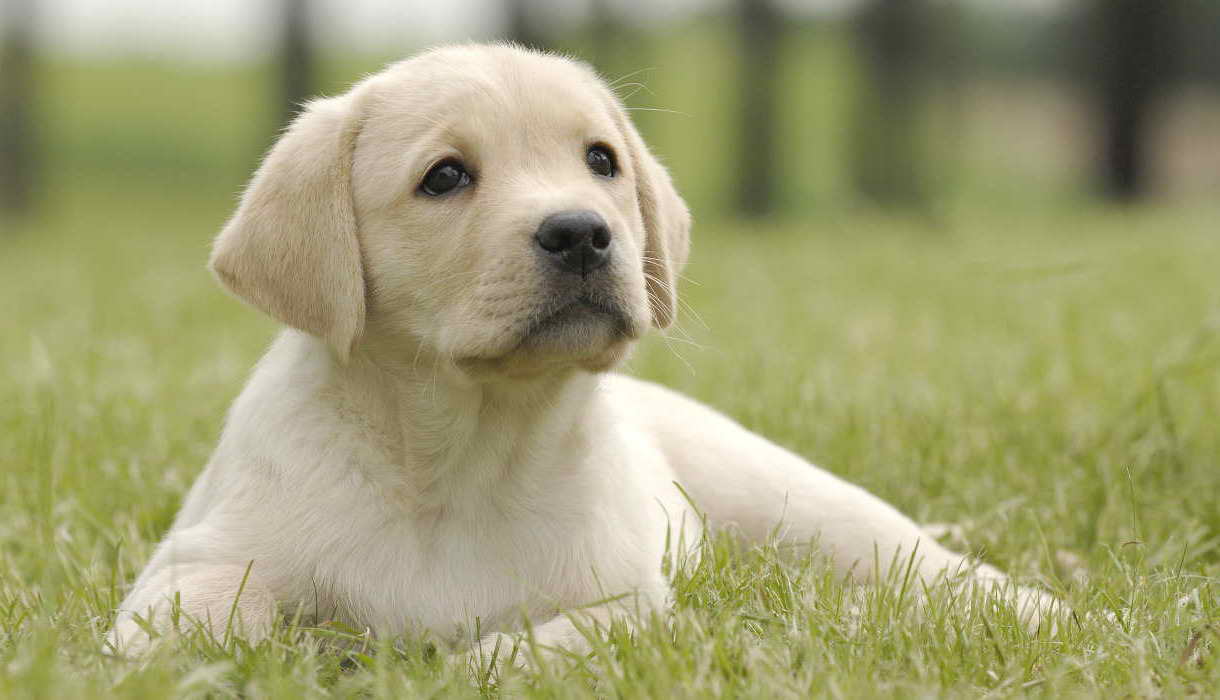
{"x":463,"y":247}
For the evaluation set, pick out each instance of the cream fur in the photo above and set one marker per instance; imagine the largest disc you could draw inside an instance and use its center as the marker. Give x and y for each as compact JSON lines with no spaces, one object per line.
{"x":422,"y":449}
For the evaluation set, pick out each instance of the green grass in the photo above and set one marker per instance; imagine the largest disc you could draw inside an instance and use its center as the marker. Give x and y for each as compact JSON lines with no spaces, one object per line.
{"x":1050,"y":381}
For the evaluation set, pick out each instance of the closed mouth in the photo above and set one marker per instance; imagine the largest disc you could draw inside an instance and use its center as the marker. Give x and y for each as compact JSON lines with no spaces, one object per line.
{"x":583,"y":309}
{"x":577,"y":329}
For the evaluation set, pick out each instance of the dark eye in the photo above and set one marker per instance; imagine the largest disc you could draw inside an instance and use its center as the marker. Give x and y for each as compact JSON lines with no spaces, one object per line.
{"x":601,"y":160}
{"x":445,"y":176}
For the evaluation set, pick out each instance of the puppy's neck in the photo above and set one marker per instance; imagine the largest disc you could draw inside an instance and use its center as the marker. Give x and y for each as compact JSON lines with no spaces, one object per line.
{"x":455,"y":437}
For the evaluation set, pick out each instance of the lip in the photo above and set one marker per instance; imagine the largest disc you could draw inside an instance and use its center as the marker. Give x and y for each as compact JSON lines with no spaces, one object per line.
{"x":578,"y":329}
{"x":580,"y":310}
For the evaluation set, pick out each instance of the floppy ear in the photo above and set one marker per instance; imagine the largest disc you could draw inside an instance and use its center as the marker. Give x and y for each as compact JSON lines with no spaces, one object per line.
{"x":667,"y":225}
{"x":291,"y":249}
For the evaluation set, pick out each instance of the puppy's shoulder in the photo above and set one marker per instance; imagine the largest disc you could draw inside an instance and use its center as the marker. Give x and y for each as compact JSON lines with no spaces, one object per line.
{"x":285,"y":418}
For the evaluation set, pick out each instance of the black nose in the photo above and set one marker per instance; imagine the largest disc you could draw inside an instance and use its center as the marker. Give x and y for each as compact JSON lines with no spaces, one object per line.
{"x":577,"y":241}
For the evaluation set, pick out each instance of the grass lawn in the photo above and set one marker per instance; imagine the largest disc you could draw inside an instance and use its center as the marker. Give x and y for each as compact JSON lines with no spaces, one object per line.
{"x":1049,"y":381}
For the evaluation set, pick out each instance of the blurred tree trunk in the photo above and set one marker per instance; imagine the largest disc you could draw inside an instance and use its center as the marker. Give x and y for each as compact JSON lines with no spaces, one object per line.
{"x":887,"y":160}
{"x":523,"y":25}
{"x":17,"y":154}
{"x":948,"y":66}
{"x":1138,"y":40}
{"x":759,"y":33}
{"x":296,"y":59}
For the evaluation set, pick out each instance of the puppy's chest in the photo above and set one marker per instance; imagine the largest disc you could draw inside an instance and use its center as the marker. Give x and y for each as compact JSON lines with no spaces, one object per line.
{"x":530,"y":553}
{"x":449,"y":573}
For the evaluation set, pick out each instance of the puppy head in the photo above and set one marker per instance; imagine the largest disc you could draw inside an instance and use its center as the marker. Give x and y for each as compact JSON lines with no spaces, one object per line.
{"x":489,"y":204}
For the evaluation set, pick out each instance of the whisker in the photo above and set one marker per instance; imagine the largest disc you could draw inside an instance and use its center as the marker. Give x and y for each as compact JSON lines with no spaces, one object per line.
{"x":657,"y":109}
{"x":618,"y":81}
{"x":690,"y":309}
{"x":659,"y":261}
{"x":638,"y":88}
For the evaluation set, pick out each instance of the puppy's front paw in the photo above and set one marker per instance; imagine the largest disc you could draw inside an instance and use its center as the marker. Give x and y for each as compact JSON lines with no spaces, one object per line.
{"x":496,"y":652}
{"x":127,"y":639}
{"x":1039,"y":609}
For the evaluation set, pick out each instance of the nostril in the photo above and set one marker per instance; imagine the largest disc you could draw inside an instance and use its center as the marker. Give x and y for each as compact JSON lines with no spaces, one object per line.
{"x":554,"y":239}
{"x":601,"y":237}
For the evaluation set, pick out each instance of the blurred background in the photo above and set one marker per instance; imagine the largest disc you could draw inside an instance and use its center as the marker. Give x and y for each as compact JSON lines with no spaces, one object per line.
{"x":762,"y":108}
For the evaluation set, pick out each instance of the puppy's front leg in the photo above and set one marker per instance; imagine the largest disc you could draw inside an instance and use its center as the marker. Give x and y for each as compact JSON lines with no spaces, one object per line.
{"x":565,"y":634}
{"x":223,"y":600}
